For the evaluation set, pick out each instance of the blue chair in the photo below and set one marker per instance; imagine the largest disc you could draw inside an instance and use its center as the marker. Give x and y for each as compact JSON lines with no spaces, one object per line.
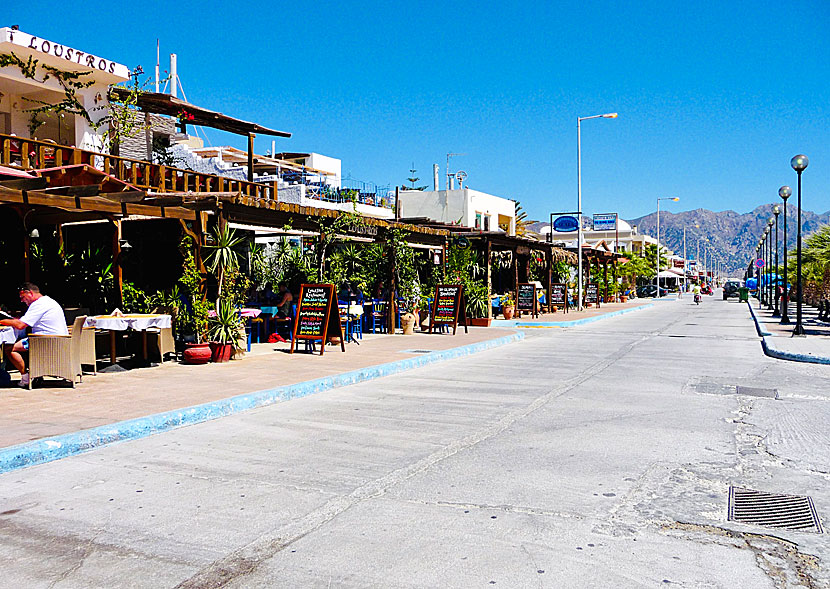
{"x":378,"y":316}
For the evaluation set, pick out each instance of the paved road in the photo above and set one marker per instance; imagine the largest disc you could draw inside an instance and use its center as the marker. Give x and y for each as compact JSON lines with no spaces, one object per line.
{"x":586,"y":457}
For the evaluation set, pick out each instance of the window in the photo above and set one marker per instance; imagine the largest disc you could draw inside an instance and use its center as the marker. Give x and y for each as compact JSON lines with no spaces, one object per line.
{"x":487,"y":222}
{"x":478,"y":221}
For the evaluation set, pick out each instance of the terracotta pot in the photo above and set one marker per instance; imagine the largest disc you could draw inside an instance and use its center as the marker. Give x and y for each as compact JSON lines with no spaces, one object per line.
{"x":408,"y":321}
{"x":220,"y":352}
{"x":623,"y":298}
{"x":197,"y":353}
{"x":508,"y":312}
{"x":480,"y":321}
{"x":554,"y":309}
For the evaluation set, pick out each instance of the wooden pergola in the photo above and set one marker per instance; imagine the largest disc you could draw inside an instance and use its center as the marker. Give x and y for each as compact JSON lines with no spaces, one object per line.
{"x":65,"y":194}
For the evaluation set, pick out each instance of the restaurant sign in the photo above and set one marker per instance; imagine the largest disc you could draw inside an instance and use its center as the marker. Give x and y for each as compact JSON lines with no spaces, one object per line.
{"x":605,"y":222}
{"x":565,"y":224}
{"x":69,"y":54}
{"x":678,"y":263}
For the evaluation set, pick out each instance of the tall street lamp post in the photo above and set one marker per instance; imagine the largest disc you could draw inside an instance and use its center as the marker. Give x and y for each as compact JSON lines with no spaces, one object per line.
{"x":761,"y":286}
{"x":579,"y":120}
{"x":657,"y":277}
{"x":770,"y":290}
{"x":785,"y":192}
{"x":777,"y":310}
{"x":799,"y":164}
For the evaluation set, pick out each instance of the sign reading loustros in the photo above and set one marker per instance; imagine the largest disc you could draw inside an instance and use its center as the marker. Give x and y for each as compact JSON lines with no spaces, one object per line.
{"x":318,"y":316}
{"x":526,"y":298}
{"x":592,"y":293}
{"x":559,"y":295}
{"x":62,"y":51}
{"x":448,"y":307}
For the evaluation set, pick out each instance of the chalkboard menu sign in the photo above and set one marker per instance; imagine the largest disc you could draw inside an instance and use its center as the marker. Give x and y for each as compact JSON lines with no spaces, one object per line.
{"x":448,"y":307}
{"x":318,"y":315}
{"x":592,"y":293}
{"x":559,"y":295}
{"x":526,"y":298}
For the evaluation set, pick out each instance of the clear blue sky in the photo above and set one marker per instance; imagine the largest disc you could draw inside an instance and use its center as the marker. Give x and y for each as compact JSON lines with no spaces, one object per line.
{"x":714,"y":97}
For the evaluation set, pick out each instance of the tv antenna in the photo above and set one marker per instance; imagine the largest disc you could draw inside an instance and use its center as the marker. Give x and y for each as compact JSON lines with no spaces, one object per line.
{"x":449,"y":176}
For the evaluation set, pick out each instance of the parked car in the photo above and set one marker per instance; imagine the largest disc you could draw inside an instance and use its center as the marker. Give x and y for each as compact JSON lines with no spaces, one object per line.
{"x":649,"y":290}
{"x":731,"y":289}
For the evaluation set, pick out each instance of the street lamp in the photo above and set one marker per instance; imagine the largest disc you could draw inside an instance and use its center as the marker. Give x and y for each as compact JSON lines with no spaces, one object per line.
{"x":657,"y":278}
{"x":799,"y":164}
{"x":777,"y":311}
{"x":785,"y":192}
{"x":770,"y":291}
{"x":579,"y":120}
{"x":761,"y":285}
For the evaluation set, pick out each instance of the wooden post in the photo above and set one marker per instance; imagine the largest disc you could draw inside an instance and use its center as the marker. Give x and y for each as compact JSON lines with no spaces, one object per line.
{"x":605,"y":279}
{"x":116,"y":261}
{"x":549,"y":273}
{"x":487,"y":252}
{"x":444,"y":259}
{"x":393,"y":287}
{"x":515,"y":269}
{"x":251,"y":157}
{"x":27,"y":276}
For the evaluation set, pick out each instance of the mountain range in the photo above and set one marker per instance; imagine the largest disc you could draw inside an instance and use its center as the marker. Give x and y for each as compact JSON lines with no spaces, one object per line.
{"x":731,"y":236}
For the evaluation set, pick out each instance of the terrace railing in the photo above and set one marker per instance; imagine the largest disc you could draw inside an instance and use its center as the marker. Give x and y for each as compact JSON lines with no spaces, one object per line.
{"x":32,"y":154}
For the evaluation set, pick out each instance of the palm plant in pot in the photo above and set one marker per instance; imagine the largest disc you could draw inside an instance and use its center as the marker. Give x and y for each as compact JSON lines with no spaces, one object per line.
{"x":508,"y":306}
{"x":224,"y":331}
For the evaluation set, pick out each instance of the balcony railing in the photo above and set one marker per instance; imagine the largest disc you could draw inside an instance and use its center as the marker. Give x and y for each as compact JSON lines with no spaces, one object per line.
{"x":32,"y":154}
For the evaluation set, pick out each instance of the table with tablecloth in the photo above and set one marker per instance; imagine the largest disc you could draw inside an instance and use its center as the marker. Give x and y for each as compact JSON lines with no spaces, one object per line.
{"x":136,"y":322}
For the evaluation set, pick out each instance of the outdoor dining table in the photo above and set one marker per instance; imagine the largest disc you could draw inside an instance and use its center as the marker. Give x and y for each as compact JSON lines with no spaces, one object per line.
{"x":8,"y":334}
{"x":136,"y":322}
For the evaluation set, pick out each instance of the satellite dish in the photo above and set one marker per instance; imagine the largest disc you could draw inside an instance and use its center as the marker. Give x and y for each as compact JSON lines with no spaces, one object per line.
{"x":461,"y":175}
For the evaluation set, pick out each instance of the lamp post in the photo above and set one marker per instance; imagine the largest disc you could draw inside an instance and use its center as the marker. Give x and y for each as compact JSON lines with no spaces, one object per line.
{"x":657,"y":277}
{"x":777,"y":310}
{"x":770,"y":286}
{"x":579,"y":120}
{"x":785,"y":192}
{"x":758,"y":274}
{"x":762,"y":289}
{"x":799,"y":163}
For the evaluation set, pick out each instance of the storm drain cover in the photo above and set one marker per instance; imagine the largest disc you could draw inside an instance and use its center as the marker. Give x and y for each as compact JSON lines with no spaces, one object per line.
{"x":418,"y":351}
{"x":757,"y":392}
{"x":774,"y":510}
{"x":713,"y":387}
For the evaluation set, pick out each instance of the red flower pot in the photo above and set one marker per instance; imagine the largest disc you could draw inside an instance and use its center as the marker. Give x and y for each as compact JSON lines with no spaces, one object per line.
{"x":220,"y":352}
{"x":197,"y":353}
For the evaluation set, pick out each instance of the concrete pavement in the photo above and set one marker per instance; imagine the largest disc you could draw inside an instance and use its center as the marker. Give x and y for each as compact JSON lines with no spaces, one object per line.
{"x":578,"y":457}
{"x":778,"y":340}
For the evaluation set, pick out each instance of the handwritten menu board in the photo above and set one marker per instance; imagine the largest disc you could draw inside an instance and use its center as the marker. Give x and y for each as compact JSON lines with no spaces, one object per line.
{"x":448,"y":305}
{"x":318,"y":315}
{"x":592,"y":293}
{"x":559,"y":295}
{"x":526,"y":298}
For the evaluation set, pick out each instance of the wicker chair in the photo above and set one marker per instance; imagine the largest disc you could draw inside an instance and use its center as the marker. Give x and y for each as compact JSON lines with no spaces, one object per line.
{"x":57,"y":355}
{"x":162,"y":338}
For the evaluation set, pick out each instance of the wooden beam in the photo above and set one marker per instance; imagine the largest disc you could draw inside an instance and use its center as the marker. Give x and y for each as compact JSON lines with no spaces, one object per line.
{"x":24,"y":183}
{"x":251,"y":157}
{"x":97,"y":204}
{"x":83,"y":190}
{"x":126,"y":196}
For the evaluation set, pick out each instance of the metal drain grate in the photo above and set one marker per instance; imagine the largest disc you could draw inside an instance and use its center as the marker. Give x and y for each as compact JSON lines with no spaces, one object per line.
{"x":790,"y":512}
{"x":418,"y":351}
{"x":757,"y":392}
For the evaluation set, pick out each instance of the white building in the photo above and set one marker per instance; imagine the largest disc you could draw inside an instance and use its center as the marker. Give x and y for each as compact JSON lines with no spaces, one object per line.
{"x":20,"y":92}
{"x":465,"y":207}
{"x":625,"y":239}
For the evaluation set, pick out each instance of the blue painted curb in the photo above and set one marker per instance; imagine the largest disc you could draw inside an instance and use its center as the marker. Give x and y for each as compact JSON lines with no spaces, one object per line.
{"x":758,"y":327}
{"x":770,"y":350}
{"x":523,"y":324}
{"x":65,"y":445}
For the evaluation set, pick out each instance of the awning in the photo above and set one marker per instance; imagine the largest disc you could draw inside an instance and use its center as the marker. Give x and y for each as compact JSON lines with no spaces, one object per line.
{"x":165,"y":104}
{"x":667,"y":274}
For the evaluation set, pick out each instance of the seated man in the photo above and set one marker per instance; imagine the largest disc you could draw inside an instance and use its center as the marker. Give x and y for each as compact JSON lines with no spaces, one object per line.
{"x":44,"y":316}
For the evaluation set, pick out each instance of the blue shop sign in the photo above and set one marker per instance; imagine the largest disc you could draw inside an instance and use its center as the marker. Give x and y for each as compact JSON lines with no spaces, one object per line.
{"x":565,"y":224}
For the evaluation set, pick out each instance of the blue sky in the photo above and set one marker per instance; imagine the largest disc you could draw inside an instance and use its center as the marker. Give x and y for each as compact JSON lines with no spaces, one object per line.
{"x":714,"y":97}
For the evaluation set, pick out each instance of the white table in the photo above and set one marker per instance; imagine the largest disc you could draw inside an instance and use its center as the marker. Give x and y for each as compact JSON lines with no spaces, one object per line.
{"x":8,"y":334}
{"x":136,"y":322}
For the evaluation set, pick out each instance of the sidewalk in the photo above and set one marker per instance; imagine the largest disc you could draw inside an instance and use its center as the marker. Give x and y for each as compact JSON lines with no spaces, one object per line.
{"x":777,"y":339}
{"x":110,"y":398}
{"x":573,"y":318}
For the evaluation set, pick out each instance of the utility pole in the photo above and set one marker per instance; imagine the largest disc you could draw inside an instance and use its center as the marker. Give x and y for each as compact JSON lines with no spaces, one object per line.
{"x":449,"y":155}
{"x":685,"y":261}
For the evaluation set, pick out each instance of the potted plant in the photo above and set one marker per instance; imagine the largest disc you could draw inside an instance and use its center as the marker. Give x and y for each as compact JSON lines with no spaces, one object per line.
{"x":475,"y":295}
{"x":192,"y":318}
{"x":224,"y":331}
{"x":508,"y":306}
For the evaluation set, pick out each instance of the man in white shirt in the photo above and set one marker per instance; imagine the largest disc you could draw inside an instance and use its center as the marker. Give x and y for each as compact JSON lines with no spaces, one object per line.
{"x":44,"y":316}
